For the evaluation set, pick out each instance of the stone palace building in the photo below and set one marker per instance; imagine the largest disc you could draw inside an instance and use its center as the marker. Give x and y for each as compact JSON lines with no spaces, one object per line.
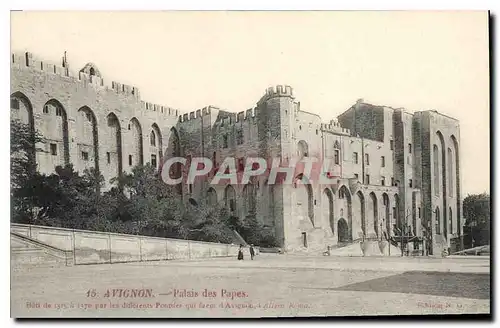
{"x":392,"y":171}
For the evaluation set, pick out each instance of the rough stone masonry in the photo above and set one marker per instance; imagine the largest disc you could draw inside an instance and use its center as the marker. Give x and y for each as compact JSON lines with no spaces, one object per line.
{"x":391,"y":170}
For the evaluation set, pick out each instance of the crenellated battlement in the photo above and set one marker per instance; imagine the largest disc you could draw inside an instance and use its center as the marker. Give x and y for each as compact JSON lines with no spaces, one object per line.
{"x":159,"y":108}
{"x":335,"y":127}
{"x":27,"y":59}
{"x":205,"y":111}
{"x":277,"y":91}
{"x":89,"y":75}
{"x":249,"y":114}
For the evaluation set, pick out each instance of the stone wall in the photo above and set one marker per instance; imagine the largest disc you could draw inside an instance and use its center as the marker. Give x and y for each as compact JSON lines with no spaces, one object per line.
{"x":94,"y":247}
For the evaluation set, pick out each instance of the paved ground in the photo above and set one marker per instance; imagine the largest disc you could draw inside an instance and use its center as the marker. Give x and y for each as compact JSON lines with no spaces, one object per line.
{"x":271,"y":285}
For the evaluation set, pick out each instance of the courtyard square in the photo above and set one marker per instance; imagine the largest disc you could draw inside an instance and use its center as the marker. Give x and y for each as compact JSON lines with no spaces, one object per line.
{"x":269,"y":286}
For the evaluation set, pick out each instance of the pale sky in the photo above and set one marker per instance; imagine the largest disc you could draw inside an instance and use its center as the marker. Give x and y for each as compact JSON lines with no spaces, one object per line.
{"x":188,"y":60}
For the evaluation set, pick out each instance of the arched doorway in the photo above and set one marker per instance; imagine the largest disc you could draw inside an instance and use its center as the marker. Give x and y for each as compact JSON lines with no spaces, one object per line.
{"x":343,"y":231}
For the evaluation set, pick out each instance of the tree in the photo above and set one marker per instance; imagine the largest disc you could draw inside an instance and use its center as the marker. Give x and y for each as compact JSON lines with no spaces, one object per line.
{"x":23,"y":149}
{"x":154,"y":209}
{"x":207,"y":223}
{"x":477,"y":214}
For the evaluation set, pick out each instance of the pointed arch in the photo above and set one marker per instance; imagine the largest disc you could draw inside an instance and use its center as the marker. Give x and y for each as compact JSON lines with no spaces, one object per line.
{"x":114,"y":145}
{"x":87,"y":138}
{"x":211,"y":196}
{"x":55,"y":125}
{"x":137,"y":150}
{"x":345,"y":199}
{"x":156,"y":148}
{"x":21,"y":109}
{"x":230,"y":199}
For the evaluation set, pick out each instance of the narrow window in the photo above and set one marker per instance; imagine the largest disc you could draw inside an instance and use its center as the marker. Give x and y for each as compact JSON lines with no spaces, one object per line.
{"x":53,"y":149}
{"x":85,"y":156}
{"x":367,"y":159}
{"x":58,"y":111}
{"x":46,"y":109}
{"x":190,"y":188}
{"x":152,"y":139}
{"x":409,"y":148}
{"x":419,"y":214}
{"x":367,"y":179}
{"x":355,"y":158}
{"x":356,"y":176}
{"x":336,"y":156}
{"x":392,"y":181}
{"x":108,"y":156}
{"x":410,"y":183}
{"x":304,"y":239}
{"x":382,"y":159}
{"x":391,"y":143}
{"x":130,"y":160}
{"x":382,"y":181}
{"x":153,"y":160}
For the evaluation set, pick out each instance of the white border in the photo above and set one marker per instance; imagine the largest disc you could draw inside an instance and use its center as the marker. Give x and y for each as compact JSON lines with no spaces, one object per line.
{"x":185,"y":5}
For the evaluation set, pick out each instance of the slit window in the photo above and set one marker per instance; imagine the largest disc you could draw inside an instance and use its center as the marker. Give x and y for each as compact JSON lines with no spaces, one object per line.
{"x":53,"y":149}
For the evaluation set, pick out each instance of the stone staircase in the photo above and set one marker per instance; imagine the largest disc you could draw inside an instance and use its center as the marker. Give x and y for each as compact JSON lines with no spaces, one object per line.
{"x":28,"y":252}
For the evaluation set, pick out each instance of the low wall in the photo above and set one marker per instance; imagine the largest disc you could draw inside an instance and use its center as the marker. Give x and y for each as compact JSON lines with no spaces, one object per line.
{"x":95,"y":247}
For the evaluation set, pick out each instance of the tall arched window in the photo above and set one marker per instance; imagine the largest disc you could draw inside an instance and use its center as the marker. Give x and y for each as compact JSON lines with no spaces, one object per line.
{"x":152,"y":138}
{"x":438,"y":222}
{"x":435,"y":155}
{"x":450,"y":173}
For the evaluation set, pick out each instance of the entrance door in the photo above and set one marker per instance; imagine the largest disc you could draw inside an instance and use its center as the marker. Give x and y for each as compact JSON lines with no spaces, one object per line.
{"x":343,"y":231}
